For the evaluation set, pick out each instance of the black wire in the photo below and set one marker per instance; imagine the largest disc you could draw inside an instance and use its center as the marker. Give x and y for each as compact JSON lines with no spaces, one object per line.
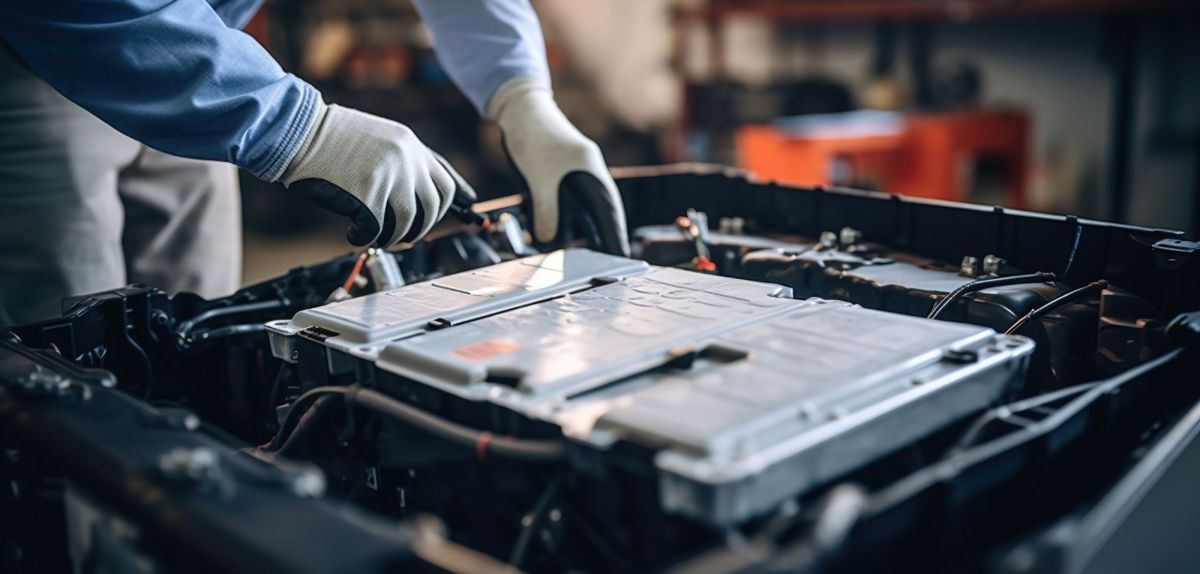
{"x":300,"y":406}
{"x":273,"y":396}
{"x":520,"y":449}
{"x":605,"y":547}
{"x":1074,"y":249}
{"x":972,"y":433}
{"x":981,"y":284}
{"x":226,"y":331}
{"x":1183,"y":330}
{"x":536,"y":514}
{"x":304,"y":427}
{"x":1057,"y":302}
{"x":147,"y":364}
{"x":185,"y":327}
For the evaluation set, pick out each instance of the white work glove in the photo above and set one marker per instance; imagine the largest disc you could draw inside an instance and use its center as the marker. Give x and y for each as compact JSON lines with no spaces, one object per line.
{"x":563,"y":170}
{"x":377,"y":173}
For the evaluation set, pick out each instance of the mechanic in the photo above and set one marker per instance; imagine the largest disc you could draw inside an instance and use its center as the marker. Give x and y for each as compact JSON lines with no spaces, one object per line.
{"x":86,"y":207}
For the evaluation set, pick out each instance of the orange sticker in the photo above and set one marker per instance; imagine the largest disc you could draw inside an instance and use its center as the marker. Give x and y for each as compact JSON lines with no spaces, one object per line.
{"x":486,"y":349}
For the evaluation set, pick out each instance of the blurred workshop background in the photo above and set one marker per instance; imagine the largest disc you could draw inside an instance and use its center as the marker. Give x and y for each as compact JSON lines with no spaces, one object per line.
{"x":1070,"y":106}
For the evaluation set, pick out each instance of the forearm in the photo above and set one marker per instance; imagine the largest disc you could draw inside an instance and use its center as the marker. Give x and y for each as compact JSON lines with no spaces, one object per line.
{"x":168,"y":73}
{"x":484,"y":43}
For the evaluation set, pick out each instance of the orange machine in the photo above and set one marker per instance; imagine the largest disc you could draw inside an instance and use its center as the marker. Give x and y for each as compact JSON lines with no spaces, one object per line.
{"x":924,"y":155}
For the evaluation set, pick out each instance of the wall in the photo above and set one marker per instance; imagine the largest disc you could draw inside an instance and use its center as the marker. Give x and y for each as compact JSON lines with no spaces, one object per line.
{"x":1063,"y":72}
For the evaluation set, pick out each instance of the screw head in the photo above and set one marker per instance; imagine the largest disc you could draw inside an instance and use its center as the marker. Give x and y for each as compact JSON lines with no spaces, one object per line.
{"x":969,"y":266}
{"x":308,"y":483}
{"x":849,"y":236}
{"x":43,"y":384}
{"x":189,"y":465}
{"x":828,"y":239}
{"x":992,"y":264}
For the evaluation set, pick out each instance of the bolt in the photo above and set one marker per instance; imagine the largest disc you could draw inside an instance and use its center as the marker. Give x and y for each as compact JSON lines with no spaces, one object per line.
{"x":308,"y":483}
{"x":1020,"y":559}
{"x":992,"y":264}
{"x":43,"y":378}
{"x":43,"y":384}
{"x":836,"y":413}
{"x":961,"y":357}
{"x":828,"y":240}
{"x":739,"y":225}
{"x":849,"y":236}
{"x":176,"y":418}
{"x":969,"y":266}
{"x":190,"y":465}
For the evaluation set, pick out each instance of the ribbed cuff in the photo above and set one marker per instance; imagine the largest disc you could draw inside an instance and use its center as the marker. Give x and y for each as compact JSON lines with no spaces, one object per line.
{"x":306,"y":143}
{"x":297,"y":132}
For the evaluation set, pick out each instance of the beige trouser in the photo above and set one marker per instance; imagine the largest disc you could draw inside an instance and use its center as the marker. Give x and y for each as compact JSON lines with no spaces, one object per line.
{"x":85,"y":209}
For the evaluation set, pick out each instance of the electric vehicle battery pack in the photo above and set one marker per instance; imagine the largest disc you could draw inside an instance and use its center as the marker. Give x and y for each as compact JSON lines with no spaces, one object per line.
{"x":745,"y":396}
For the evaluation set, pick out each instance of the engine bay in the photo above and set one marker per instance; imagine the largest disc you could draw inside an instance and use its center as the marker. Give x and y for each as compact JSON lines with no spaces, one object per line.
{"x":779,"y":379}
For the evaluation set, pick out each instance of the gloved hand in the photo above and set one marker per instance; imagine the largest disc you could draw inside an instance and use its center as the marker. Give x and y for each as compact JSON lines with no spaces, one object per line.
{"x":376,"y":172}
{"x":563,"y":169}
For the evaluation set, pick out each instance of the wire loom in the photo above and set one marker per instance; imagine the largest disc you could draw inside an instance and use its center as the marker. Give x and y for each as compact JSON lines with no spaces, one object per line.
{"x":482,"y":442}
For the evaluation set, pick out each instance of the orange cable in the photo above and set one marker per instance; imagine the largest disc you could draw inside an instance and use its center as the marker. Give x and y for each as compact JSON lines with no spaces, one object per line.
{"x":354,"y":272}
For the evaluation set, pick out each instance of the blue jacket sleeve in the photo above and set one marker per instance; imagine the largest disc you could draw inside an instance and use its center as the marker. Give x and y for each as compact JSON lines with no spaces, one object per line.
{"x":484,"y":43}
{"x":168,"y":73}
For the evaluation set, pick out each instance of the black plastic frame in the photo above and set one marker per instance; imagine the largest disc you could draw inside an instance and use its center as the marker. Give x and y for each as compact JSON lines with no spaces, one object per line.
{"x":1161,"y":265}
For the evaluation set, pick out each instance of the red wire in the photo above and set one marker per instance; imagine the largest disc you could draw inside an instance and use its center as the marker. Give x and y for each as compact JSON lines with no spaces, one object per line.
{"x":354,"y":272}
{"x":481,"y":445}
